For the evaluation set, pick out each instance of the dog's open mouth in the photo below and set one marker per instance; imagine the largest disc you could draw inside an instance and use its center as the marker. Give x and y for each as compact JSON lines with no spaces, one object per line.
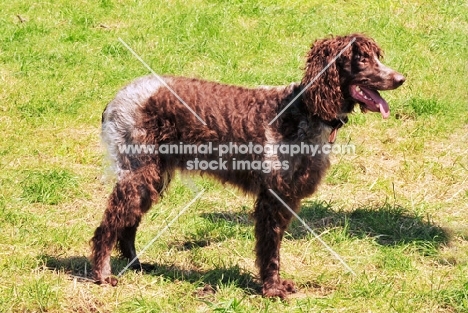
{"x":370,"y":99}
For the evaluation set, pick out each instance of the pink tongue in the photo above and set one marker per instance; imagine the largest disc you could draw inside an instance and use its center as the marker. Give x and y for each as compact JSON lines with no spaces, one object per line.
{"x":384,"y":109}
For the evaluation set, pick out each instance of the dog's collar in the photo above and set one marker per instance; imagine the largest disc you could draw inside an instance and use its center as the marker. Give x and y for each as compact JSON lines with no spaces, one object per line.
{"x":335,"y":124}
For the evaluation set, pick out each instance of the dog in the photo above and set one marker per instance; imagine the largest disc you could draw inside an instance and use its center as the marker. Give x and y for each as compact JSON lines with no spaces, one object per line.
{"x":340,"y":72}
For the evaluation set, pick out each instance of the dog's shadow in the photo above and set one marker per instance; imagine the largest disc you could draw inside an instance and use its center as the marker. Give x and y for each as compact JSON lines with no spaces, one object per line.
{"x":387,"y":224}
{"x":78,"y":267}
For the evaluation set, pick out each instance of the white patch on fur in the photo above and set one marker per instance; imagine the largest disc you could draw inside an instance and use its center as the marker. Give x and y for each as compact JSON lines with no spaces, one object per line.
{"x":120,"y":117}
{"x":272,"y":141}
{"x":165,"y":179}
{"x":279,"y":88}
{"x":267,"y":87}
{"x":324,"y":135}
{"x":387,"y":71}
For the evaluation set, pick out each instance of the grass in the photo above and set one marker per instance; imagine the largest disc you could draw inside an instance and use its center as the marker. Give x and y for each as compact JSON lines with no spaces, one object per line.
{"x":396,"y":210}
{"x":48,"y":187}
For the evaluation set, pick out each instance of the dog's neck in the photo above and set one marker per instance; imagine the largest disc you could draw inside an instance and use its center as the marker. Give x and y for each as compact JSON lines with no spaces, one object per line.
{"x":300,"y":109}
{"x":335,"y":125}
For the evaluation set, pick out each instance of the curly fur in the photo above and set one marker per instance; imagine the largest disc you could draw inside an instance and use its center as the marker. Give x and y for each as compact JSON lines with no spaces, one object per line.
{"x":146,"y":112}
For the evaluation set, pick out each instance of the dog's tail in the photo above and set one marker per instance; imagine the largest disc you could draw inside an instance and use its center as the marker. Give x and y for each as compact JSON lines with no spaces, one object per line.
{"x":120,"y":132}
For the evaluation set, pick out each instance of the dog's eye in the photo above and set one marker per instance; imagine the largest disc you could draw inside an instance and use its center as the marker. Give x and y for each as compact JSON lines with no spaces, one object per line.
{"x":360,"y":58}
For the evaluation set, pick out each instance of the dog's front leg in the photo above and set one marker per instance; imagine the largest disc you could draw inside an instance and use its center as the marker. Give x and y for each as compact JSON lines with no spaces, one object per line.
{"x":271,"y":221}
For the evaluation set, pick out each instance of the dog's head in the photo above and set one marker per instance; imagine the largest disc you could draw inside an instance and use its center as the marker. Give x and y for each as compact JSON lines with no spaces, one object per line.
{"x":346,"y":70}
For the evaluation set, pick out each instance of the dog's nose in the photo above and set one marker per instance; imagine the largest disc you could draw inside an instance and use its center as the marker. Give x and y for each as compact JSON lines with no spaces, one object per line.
{"x":399,"y":79}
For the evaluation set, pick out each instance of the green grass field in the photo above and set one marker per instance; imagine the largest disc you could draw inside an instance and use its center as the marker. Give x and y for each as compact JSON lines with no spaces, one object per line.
{"x":396,"y":211}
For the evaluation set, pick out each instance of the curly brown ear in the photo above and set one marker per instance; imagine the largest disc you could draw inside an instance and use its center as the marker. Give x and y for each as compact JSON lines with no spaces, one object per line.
{"x":324,"y":97}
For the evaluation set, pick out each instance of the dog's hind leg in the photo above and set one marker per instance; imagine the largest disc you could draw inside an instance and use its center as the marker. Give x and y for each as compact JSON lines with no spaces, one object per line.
{"x":126,"y":238}
{"x":132,"y":196}
{"x":271,"y":221}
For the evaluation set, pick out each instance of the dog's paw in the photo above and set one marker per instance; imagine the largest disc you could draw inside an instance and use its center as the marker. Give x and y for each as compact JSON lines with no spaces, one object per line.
{"x":108,"y":281}
{"x":289,"y":286}
{"x":280,"y":290}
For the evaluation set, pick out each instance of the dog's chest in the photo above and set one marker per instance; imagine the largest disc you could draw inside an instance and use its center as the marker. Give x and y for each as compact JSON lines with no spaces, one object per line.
{"x":315,"y":134}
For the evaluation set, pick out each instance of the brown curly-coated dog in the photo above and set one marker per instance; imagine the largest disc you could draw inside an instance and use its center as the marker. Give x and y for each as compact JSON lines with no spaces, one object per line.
{"x":147,"y":112}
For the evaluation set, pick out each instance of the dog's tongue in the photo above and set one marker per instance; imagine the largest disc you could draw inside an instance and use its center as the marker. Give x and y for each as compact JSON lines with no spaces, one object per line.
{"x":372,"y":100}
{"x":378,"y":102}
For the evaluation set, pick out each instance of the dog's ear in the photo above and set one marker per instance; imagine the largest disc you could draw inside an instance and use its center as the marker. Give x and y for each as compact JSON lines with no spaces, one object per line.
{"x":324,"y":96}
